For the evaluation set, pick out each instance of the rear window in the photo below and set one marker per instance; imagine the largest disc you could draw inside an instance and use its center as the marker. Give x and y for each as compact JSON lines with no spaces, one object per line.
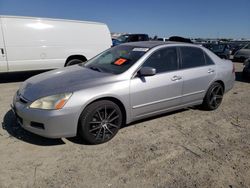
{"x":218,"y":48}
{"x":192,"y":57}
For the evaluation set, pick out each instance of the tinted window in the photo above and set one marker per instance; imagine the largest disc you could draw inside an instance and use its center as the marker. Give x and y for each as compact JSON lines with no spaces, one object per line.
{"x":133,"y":38}
{"x":192,"y":57}
{"x":247,"y":46}
{"x":209,"y":61}
{"x":218,"y":48}
{"x":142,"y":37}
{"x":163,"y":60}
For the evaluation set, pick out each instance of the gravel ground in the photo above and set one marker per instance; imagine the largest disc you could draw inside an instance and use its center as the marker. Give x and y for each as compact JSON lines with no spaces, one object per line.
{"x":188,"y":148}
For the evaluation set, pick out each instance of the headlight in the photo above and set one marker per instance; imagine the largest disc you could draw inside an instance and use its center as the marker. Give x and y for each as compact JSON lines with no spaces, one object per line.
{"x":54,"y":102}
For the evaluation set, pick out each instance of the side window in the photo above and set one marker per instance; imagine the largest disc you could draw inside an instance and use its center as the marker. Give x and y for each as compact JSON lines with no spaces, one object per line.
{"x":133,"y":38}
{"x":192,"y":57}
{"x":209,"y":61}
{"x":163,"y":60}
{"x":140,"y":38}
{"x":248,"y":46}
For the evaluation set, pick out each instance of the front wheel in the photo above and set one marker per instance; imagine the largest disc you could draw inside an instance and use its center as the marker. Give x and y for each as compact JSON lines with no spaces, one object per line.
{"x":100,"y":122}
{"x":213,"y":97}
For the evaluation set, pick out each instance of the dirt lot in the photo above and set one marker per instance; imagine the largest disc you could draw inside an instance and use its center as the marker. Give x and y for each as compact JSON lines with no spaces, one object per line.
{"x":188,"y":148}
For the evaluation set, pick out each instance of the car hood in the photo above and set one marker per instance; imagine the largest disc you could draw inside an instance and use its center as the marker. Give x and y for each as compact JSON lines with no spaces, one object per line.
{"x":62,"y":80}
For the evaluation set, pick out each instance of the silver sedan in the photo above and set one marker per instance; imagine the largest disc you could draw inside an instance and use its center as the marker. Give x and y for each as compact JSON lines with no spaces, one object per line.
{"x":123,"y":84}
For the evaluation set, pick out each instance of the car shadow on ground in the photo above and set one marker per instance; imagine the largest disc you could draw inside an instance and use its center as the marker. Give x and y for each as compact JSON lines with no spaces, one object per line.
{"x":240,"y":78}
{"x":80,"y":141}
{"x":158,"y":116}
{"x":16,"y":131}
{"x":17,"y":76}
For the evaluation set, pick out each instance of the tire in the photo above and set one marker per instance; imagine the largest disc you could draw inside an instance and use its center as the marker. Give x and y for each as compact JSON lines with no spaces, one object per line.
{"x":73,"y":62}
{"x":244,"y":75}
{"x":100,"y":122}
{"x":213,"y":97}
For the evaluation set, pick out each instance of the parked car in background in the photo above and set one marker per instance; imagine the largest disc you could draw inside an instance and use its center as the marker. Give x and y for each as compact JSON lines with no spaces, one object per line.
{"x":242,"y":54}
{"x":235,"y":47}
{"x":222,"y":50}
{"x":162,"y":39}
{"x":115,"y":42}
{"x":29,"y":43}
{"x":126,"y":83}
{"x":179,"y":39}
{"x":246,"y":70}
{"x":130,"y":38}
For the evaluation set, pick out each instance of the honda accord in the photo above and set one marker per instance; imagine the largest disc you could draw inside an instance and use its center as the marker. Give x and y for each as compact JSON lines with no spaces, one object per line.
{"x":123,"y":84}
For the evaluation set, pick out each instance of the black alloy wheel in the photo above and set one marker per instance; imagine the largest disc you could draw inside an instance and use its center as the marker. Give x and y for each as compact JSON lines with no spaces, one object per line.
{"x":100,"y":122}
{"x":214,"y":96}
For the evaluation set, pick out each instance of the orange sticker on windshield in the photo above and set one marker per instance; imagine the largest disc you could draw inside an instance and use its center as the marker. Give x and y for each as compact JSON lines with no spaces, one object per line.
{"x":120,"y":61}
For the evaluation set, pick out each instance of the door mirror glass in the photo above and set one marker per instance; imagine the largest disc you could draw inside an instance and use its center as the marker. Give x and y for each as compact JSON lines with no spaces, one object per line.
{"x":147,"y":71}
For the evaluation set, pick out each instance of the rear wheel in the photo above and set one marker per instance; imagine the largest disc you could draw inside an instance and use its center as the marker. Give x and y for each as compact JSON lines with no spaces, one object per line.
{"x":213,"y":96}
{"x":100,"y":122}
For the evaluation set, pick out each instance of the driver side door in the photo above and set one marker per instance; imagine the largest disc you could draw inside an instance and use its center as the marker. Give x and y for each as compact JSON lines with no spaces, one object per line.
{"x":150,"y":95}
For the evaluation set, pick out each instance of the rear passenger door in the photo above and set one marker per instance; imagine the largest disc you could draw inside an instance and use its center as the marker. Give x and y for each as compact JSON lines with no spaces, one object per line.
{"x":198,"y":71}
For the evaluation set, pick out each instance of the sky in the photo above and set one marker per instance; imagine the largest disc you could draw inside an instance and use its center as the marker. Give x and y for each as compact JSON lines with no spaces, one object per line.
{"x":164,"y":18}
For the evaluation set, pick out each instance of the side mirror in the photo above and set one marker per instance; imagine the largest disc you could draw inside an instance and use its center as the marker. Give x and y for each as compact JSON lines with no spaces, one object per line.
{"x":147,"y":71}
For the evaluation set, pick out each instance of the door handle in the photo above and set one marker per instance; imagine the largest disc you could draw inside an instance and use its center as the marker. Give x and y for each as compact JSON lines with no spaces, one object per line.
{"x":2,"y":51}
{"x":175,"y":78}
{"x":210,"y":71}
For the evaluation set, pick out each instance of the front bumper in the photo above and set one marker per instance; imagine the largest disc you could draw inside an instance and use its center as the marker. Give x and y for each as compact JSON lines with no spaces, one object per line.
{"x":46,"y":123}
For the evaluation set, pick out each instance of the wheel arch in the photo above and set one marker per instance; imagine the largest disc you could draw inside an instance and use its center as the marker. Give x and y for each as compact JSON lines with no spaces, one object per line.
{"x":109,"y":98}
{"x":77,"y":56}
{"x":215,"y":81}
{"x":220,"y":82}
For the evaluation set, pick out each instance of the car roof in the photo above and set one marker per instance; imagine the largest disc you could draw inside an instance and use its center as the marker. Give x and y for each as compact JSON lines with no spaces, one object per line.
{"x":134,"y":34}
{"x":152,"y":44}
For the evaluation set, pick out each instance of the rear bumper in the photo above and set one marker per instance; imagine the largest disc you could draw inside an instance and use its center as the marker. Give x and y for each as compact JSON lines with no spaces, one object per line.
{"x":229,"y":84}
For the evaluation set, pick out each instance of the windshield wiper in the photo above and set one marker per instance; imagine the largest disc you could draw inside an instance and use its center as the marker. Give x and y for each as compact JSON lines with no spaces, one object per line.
{"x":95,"y":68}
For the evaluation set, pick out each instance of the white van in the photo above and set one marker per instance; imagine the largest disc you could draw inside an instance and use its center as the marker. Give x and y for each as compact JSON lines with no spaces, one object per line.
{"x":28,"y":43}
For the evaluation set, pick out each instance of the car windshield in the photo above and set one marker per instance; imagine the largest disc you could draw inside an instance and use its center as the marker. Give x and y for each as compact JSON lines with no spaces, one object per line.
{"x":247,"y":46}
{"x":116,"y":60}
{"x":218,"y":48}
{"x":123,"y":38}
